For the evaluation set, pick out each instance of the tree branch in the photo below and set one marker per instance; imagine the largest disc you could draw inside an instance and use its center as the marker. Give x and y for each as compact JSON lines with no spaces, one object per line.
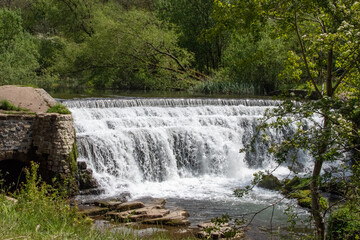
{"x":304,"y":55}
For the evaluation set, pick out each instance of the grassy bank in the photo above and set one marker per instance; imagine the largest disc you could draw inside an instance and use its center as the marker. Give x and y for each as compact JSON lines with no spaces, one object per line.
{"x":39,"y":212}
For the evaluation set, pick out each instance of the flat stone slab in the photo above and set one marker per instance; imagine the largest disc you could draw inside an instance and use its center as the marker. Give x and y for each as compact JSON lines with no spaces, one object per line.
{"x":35,"y":99}
{"x":129,"y":206}
{"x":109,"y":204}
{"x":157,"y":201}
{"x":92,"y":210}
{"x":175,"y":218}
{"x":140,"y":214}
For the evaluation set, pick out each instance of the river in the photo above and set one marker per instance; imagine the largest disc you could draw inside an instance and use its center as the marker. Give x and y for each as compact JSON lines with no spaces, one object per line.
{"x":185,"y":150}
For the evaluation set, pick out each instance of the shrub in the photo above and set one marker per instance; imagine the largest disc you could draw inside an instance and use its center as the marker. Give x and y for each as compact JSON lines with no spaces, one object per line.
{"x":41,"y":213}
{"x":344,"y":223}
{"x":6,"y":105}
{"x":58,"y":108}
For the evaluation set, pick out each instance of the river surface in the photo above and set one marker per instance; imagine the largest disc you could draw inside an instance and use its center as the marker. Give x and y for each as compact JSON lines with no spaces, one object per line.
{"x":185,"y":150}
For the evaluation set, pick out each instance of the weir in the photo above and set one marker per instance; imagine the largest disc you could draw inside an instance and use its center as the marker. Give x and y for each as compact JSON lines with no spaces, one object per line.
{"x":185,"y":148}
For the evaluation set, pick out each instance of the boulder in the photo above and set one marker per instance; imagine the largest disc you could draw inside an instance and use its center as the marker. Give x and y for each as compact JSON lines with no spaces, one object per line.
{"x":92,"y":191}
{"x":92,"y":210}
{"x":296,"y":183}
{"x":108,"y":204}
{"x":35,"y":99}
{"x":175,"y":218}
{"x":139,"y":214}
{"x":157,"y":201}
{"x":270,"y":182}
{"x":129,"y":206}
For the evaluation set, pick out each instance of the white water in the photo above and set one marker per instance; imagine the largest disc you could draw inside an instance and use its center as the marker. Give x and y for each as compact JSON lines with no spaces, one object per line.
{"x":172,"y":148}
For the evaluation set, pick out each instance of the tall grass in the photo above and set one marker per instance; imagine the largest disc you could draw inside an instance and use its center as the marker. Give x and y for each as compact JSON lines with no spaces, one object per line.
{"x":40,"y":212}
{"x":223,"y":87}
{"x":6,"y":105}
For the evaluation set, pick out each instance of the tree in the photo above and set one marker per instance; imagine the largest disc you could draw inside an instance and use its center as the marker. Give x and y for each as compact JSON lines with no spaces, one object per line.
{"x":129,"y":50}
{"x":327,"y":33}
{"x":18,"y":50}
{"x":193,"y":20}
{"x":255,"y":60}
{"x":70,"y":18}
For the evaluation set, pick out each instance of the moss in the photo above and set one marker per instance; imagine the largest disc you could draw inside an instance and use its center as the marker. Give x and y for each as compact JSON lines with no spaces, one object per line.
{"x":323,"y":203}
{"x":67,"y":184}
{"x":296,"y":183}
{"x":58,"y":108}
{"x":305,"y":202}
{"x":7,"y":106}
{"x":73,"y":155}
{"x":270,"y":182}
{"x":304,"y":199}
{"x":300,"y":194}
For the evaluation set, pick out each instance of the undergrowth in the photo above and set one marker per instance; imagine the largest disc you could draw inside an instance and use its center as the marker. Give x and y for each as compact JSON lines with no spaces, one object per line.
{"x":222,"y":87}
{"x":58,"y":108}
{"x":6,"y":105}
{"x":40,"y":212}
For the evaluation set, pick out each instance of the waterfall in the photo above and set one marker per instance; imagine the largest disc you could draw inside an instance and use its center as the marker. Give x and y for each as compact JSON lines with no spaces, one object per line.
{"x":170,"y":147}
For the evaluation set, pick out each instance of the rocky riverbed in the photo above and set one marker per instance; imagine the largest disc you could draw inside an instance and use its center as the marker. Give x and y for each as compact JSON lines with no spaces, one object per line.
{"x":151,"y":216}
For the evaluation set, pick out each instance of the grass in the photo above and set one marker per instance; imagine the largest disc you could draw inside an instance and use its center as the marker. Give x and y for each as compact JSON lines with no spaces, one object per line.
{"x":41,"y":213}
{"x":58,"y":108}
{"x":6,"y":105}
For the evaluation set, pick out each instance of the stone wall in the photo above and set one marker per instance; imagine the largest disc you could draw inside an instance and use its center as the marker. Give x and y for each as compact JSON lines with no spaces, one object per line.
{"x":45,"y":138}
{"x":16,"y":133}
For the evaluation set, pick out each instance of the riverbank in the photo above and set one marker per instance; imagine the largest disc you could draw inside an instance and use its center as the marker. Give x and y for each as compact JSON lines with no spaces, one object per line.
{"x":38,"y":211}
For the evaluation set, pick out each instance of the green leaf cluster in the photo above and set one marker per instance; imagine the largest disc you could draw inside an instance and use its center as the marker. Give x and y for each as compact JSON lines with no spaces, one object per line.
{"x":58,"y":108}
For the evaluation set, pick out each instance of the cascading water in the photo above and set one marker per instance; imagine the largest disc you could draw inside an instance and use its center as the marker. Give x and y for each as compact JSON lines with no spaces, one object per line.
{"x":172,"y":148}
{"x":168,"y":147}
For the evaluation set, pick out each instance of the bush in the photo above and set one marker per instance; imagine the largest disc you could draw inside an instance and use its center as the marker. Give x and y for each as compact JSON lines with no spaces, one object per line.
{"x":58,"y":108}
{"x":344,"y":223}
{"x":6,"y":105}
{"x":41,"y":213}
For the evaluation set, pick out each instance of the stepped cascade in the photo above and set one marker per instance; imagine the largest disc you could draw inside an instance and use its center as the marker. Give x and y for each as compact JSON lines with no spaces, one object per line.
{"x":159,"y":147}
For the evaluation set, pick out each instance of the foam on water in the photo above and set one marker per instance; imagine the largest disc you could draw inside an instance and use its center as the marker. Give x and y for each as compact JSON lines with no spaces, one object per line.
{"x":172,"y":148}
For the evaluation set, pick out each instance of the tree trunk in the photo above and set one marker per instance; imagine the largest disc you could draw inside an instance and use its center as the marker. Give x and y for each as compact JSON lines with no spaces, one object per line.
{"x":315,"y":195}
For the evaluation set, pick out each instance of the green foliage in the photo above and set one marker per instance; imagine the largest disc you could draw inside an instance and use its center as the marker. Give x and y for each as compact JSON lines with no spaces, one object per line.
{"x":6,"y":105}
{"x":296,"y":183}
{"x":18,"y":53}
{"x":40,"y":213}
{"x":10,"y":27}
{"x":145,"y":56}
{"x":58,"y":108}
{"x":221,"y":87}
{"x":71,"y":18}
{"x":193,"y":21}
{"x":344,"y":223}
{"x":255,"y":60}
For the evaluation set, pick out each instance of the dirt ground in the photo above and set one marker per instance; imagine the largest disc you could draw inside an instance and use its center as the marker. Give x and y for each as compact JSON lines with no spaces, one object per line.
{"x":35,"y":99}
